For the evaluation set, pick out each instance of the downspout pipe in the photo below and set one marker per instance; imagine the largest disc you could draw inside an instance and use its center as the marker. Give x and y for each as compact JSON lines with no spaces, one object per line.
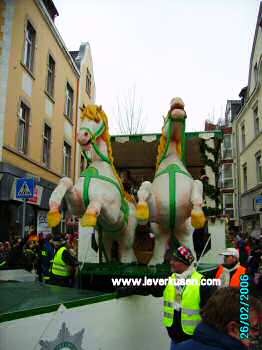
{"x":238,"y":170}
{"x":76,"y":128}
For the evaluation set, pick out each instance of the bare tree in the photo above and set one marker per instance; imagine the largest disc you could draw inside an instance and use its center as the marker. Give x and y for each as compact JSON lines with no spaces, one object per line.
{"x":130,"y":116}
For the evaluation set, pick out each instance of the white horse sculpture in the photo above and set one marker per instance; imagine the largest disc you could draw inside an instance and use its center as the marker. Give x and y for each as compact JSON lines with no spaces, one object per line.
{"x":173,"y":196}
{"x":98,"y":196}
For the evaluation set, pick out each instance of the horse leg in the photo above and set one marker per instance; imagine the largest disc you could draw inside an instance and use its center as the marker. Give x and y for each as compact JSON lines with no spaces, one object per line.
{"x":198,"y":218}
{"x":54,"y":215}
{"x":92,"y":212}
{"x":142,"y":209}
{"x":184,"y":234}
{"x":161,"y":238}
{"x":74,"y":201}
{"x":111,"y":211}
{"x":107,"y":243}
{"x":127,"y":237}
{"x":126,"y":249}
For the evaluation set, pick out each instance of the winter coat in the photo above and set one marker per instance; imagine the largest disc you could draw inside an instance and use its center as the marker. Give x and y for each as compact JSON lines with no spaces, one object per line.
{"x":208,"y":338}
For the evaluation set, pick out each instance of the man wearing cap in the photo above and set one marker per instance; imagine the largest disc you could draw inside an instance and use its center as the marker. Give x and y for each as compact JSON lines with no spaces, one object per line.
{"x":229,"y":273}
{"x":64,"y":265}
{"x":183,"y":301}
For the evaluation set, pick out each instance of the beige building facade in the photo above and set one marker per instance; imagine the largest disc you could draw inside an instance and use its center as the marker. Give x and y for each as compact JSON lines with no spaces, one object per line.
{"x":87,"y":94}
{"x":247,"y":135}
{"x":43,"y":88}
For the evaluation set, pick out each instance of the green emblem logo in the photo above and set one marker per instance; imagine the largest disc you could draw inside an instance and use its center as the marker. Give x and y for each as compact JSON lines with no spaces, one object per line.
{"x":64,"y":340}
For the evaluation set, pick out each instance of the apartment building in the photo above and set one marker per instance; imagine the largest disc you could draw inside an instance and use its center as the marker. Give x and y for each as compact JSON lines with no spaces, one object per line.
{"x":42,"y":89}
{"x":247,"y":130}
{"x":228,"y":165}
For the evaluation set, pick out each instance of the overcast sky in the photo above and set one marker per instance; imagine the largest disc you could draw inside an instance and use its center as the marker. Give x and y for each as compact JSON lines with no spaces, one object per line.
{"x":196,"y":49}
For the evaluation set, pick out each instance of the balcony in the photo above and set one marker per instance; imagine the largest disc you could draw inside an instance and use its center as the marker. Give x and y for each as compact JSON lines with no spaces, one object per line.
{"x":228,"y":183}
{"x":227,"y":153}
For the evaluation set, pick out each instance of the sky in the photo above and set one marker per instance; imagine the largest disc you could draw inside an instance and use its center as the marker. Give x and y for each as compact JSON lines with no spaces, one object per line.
{"x":198,"y":50}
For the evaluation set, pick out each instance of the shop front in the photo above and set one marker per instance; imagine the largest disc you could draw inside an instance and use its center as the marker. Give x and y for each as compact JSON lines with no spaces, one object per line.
{"x":11,"y":208}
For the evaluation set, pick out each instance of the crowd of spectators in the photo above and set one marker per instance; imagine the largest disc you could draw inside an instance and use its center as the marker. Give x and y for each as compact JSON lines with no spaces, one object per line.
{"x":250,"y":256}
{"x":27,"y":254}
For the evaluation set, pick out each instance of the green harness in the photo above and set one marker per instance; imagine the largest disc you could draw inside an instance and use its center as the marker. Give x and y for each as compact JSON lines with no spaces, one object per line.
{"x":92,"y":173}
{"x":172,"y":170}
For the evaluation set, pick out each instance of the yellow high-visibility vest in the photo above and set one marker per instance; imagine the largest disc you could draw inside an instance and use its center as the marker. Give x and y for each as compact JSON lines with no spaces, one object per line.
{"x":190,"y":304}
{"x":59,"y":268}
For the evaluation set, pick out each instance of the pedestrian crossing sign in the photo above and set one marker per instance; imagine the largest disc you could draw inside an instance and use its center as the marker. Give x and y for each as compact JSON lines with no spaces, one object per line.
{"x":25,"y":188}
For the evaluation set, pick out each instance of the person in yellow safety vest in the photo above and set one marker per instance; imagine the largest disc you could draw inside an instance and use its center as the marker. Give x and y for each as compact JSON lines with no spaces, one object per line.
{"x":64,"y":266}
{"x":183,"y":299}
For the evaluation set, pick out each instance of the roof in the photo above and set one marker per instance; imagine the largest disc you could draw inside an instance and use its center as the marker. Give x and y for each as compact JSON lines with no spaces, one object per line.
{"x":52,"y":10}
{"x":74,"y":55}
{"x":243,"y":92}
{"x":234,"y":101}
{"x":46,"y":14}
{"x":138,"y":153}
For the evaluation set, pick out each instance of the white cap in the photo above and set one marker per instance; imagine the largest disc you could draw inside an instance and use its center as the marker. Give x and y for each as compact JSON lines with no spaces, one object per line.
{"x":231,"y":252}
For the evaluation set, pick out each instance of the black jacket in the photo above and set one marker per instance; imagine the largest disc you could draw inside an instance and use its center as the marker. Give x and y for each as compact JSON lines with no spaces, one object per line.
{"x":208,"y":338}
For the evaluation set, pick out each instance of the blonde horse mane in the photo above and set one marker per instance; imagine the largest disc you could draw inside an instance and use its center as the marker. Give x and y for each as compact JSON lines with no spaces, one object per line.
{"x":96,"y":113}
{"x":162,"y":147}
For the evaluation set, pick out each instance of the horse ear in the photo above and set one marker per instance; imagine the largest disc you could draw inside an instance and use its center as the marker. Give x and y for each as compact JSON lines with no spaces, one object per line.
{"x":99,"y":108}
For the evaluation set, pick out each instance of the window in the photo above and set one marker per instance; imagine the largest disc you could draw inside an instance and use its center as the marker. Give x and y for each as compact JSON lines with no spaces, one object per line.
{"x":23,"y":128}
{"x":255,"y":74}
{"x":69,"y":101}
{"x":228,"y":175}
{"x":46,"y":145}
{"x":229,"y":204}
{"x":50,"y":76}
{"x":227,"y":147}
{"x":88,"y":83}
{"x":243,"y":136}
{"x":259,"y":167}
{"x":29,"y":52}
{"x":245,"y":177}
{"x":256,"y":121}
{"x":67,"y":159}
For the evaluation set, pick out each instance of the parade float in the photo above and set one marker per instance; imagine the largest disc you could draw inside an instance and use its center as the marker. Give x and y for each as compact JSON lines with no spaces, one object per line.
{"x":122,"y":235}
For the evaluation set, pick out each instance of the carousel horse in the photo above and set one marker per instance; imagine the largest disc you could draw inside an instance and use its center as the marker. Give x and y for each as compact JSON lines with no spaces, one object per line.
{"x":98,"y":196}
{"x":173,"y":196}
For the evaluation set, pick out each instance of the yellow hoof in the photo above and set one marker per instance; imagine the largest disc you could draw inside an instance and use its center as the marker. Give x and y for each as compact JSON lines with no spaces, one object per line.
{"x":53,"y":218}
{"x":142,"y":212}
{"x":88,"y":220}
{"x":198,"y":218}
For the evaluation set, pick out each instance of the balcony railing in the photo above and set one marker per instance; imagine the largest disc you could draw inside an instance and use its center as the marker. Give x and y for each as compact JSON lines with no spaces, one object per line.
{"x":228,"y":183}
{"x":227,"y":153}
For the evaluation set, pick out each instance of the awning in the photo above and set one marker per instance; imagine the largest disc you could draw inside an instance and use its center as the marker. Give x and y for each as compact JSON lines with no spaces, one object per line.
{"x":138,"y":153}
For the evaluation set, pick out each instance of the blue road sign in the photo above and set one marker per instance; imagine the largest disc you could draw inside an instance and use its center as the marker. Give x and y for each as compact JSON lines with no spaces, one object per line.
{"x":25,"y":188}
{"x":259,"y":200}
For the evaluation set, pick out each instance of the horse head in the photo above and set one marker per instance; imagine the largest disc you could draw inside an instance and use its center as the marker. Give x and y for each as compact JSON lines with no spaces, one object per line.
{"x":175,"y":114}
{"x":93,"y":126}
